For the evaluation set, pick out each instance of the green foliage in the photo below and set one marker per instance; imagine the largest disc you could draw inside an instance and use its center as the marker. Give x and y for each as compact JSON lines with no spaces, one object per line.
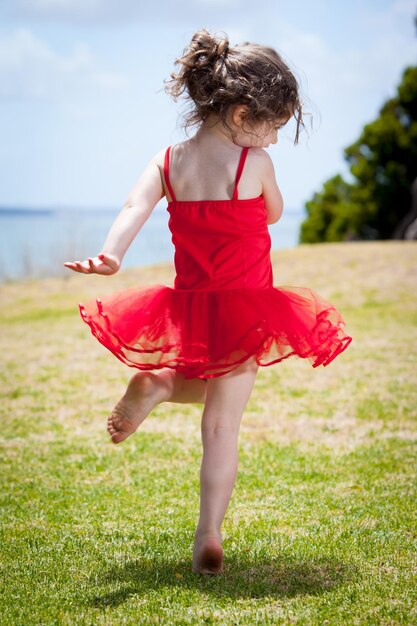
{"x":383,"y":162}
{"x":329,"y":212}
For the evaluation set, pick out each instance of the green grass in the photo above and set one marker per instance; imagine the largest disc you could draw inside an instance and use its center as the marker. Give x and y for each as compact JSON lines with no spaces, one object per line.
{"x":321,"y":526}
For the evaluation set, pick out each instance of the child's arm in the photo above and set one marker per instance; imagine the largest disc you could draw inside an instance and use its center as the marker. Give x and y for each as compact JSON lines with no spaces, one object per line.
{"x":274,"y":203}
{"x":139,"y":204}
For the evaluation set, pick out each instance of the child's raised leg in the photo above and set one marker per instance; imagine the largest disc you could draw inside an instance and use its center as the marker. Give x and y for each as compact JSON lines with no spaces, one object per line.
{"x":226,"y":400}
{"x":144,"y":391}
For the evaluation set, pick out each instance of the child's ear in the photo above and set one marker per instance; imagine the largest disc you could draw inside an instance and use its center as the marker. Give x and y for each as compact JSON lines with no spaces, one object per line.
{"x":239,"y":113}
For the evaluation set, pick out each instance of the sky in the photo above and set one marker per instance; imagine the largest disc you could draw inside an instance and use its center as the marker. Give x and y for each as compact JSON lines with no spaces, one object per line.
{"x":82,"y":101}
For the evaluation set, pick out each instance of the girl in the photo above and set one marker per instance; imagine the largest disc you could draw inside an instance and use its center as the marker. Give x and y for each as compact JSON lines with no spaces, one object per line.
{"x":204,"y":339}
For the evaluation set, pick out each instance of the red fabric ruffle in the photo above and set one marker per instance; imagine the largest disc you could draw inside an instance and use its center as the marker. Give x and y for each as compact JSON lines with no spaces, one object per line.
{"x":208,"y":333}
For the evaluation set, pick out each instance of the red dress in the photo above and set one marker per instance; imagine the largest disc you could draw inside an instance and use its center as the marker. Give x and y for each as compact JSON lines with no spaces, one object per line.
{"x":223,"y":307}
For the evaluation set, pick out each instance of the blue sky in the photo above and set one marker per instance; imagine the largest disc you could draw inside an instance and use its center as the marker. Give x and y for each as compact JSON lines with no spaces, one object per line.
{"x":82,"y":106}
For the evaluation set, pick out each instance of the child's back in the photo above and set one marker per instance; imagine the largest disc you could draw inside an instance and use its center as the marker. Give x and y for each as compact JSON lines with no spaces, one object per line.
{"x":204,"y":168}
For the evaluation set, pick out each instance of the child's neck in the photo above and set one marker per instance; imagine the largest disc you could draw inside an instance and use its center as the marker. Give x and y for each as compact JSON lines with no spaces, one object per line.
{"x":212,"y":131}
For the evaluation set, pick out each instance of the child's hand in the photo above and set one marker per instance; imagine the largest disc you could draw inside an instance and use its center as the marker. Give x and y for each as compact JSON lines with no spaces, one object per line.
{"x":101,"y":264}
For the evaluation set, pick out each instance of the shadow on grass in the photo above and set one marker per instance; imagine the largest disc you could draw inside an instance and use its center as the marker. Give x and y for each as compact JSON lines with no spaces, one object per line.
{"x":241,"y":578}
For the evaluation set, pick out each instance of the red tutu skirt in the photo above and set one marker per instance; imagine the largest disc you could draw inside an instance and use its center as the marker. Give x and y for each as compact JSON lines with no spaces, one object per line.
{"x":208,"y":333}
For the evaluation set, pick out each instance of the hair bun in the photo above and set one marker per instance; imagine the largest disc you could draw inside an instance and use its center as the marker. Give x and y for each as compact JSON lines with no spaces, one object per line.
{"x":223,"y":47}
{"x":206,"y":48}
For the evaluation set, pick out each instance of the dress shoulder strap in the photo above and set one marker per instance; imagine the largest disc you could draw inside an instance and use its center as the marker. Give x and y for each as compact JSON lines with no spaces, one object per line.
{"x":242,"y":160}
{"x":166,"y":173}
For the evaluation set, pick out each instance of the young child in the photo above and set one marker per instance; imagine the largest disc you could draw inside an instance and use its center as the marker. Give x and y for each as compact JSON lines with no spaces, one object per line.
{"x":204,"y":339}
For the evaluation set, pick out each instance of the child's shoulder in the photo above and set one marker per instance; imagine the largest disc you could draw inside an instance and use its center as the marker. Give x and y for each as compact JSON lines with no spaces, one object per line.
{"x":260,"y":162}
{"x":159,"y":157}
{"x":259,"y":155}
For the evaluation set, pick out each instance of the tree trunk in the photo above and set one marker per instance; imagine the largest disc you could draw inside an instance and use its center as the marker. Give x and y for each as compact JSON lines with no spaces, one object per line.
{"x":407,"y":228}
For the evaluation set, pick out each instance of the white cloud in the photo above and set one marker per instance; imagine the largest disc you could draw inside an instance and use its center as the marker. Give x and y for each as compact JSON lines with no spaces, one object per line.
{"x":405,"y":7}
{"x":77,"y":10}
{"x":104,"y":12}
{"x":219,"y":3}
{"x":31,"y":69}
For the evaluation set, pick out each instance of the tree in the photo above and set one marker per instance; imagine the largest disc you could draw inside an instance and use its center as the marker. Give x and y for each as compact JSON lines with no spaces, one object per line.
{"x":383,"y":162}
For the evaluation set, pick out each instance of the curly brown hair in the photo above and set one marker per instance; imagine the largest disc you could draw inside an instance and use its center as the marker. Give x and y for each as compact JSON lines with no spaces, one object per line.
{"x":216,"y":76}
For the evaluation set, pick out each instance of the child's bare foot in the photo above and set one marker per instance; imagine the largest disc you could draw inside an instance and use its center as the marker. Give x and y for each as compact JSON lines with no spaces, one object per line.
{"x":208,"y":553}
{"x":144,"y":391}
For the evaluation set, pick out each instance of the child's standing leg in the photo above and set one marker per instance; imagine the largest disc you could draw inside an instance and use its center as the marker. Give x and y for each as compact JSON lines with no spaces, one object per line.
{"x":144,"y":391}
{"x":226,"y":400}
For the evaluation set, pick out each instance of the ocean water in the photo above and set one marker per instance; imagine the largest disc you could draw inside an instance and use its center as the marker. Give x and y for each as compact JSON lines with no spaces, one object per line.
{"x":36,"y":243}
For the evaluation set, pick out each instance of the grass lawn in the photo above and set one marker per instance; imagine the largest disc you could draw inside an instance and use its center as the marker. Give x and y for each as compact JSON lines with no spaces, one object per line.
{"x":321,"y":528}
